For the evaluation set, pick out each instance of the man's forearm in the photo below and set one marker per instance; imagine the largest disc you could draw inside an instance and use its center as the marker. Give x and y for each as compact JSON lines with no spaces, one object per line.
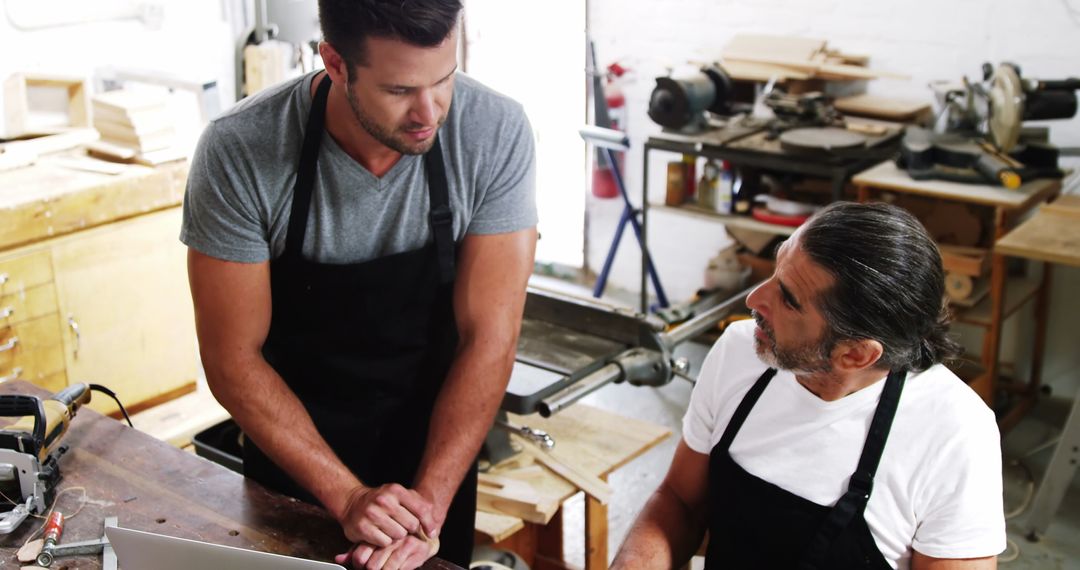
{"x":273,"y":417}
{"x":463,"y":413}
{"x":665,"y":535}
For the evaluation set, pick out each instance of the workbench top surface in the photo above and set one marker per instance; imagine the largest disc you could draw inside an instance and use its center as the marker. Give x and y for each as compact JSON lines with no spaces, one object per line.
{"x":47,"y":200}
{"x":1052,"y":234}
{"x":153,"y":486}
{"x":887,"y":175}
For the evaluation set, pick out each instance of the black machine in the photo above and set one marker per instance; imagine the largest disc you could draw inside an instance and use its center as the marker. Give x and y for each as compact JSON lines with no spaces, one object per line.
{"x":680,"y":104}
{"x":983,"y":139}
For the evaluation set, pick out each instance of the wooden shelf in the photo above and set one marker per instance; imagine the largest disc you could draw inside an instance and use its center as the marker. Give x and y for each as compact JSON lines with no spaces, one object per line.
{"x":745,"y":222}
{"x":1018,"y":290}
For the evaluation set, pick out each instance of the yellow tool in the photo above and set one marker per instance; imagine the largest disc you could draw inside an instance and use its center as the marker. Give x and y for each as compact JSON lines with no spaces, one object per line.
{"x":30,"y":450}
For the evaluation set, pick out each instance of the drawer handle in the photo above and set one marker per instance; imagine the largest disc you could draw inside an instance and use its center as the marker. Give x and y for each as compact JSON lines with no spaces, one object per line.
{"x":3,"y":278}
{"x":78,"y":337}
{"x":10,"y":344}
{"x":7,"y":312}
{"x":13,"y":376}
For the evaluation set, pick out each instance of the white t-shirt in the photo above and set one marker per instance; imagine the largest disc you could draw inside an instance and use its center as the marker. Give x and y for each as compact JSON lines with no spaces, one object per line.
{"x":938,"y":487}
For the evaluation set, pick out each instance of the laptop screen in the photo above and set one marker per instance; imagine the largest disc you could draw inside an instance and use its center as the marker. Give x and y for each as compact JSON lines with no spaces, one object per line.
{"x":138,"y":550}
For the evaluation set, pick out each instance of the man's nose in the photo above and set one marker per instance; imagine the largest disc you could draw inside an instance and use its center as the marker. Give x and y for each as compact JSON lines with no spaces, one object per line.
{"x":755,"y":300}
{"x":425,"y":108}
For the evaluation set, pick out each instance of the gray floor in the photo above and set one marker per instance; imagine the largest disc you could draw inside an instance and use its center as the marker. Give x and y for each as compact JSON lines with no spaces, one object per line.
{"x":632,"y":484}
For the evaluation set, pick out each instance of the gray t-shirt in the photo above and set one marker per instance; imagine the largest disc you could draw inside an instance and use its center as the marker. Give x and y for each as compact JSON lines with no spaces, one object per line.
{"x":240,"y":187}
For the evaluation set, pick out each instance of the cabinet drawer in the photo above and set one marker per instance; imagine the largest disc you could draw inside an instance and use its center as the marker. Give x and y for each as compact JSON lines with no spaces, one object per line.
{"x":27,"y":305}
{"x":42,"y":366}
{"x":25,"y":271}
{"x":19,"y":341}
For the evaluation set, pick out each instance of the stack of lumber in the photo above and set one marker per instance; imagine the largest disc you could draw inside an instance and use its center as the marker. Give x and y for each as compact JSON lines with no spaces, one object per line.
{"x":757,"y":57}
{"x":133,"y":120}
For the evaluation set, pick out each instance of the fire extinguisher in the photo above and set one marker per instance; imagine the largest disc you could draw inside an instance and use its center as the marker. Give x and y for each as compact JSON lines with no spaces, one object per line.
{"x":603,"y":180}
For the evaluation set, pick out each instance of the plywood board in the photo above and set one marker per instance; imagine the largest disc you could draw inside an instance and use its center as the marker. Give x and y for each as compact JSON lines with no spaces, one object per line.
{"x":743,"y":46}
{"x":884,"y":107}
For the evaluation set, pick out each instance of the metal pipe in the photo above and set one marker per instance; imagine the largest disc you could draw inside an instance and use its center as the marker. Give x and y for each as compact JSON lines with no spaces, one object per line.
{"x":590,"y":383}
{"x":704,"y":321}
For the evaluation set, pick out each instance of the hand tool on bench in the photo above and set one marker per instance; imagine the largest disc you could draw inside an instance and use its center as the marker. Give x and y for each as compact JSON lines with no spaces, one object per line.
{"x":51,"y":552}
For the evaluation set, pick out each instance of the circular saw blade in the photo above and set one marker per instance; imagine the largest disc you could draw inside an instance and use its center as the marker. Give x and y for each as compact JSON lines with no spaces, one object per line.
{"x":1006,"y":108}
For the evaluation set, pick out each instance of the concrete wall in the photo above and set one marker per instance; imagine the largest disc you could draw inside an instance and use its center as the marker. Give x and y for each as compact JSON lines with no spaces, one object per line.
{"x":927,"y":39}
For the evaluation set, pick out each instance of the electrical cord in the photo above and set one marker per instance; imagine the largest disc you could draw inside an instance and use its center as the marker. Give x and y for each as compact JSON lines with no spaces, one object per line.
{"x":111,"y":394}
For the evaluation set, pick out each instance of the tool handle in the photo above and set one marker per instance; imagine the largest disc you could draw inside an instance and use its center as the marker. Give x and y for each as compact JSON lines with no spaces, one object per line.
{"x":73,"y":396}
{"x":1070,"y":84}
{"x":54,"y":527}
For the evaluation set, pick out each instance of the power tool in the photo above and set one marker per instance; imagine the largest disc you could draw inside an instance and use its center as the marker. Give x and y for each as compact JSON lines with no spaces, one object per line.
{"x":30,"y":451}
{"x":979,"y":135}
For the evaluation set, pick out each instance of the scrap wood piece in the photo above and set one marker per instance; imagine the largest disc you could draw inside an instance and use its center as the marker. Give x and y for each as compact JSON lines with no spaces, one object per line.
{"x":965,"y":260}
{"x":593,"y":486}
{"x":886,"y":107}
{"x":782,"y":47}
{"x":497,"y":526}
{"x":750,"y":71}
{"x":514,"y":497}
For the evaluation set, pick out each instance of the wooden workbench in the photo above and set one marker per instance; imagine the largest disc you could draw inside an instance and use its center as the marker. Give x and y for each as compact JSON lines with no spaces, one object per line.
{"x":1006,"y":207}
{"x":153,"y":486}
{"x":47,"y":200}
{"x":595,"y":442}
{"x":1051,"y":235}
{"x":93,"y":280}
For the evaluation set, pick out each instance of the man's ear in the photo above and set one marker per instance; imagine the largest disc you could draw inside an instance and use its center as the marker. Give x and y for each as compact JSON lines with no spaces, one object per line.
{"x":854,"y":355}
{"x":335,"y":64}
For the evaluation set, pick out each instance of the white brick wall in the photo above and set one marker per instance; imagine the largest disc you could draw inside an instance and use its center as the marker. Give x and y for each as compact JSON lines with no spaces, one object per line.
{"x":928,"y":39}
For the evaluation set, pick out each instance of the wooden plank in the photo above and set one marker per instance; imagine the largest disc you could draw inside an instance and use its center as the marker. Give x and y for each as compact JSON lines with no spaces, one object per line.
{"x":971,"y":261}
{"x":884,"y":107}
{"x":87,"y":164}
{"x":596,"y":526}
{"x":1066,"y":206}
{"x":751,"y":71}
{"x":590,"y":484}
{"x":1048,"y":236}
{"x":497,"y":527}
{"x":776,"y":46}
{"x":886,"y":176}
{"x":503,"y":495}
{"x":44,"y":201}
{"x":177,"y":421}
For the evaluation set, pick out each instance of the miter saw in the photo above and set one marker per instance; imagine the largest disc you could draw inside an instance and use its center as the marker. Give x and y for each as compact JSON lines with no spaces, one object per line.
{"x":980,"y":136}
{"x":30,"y":451}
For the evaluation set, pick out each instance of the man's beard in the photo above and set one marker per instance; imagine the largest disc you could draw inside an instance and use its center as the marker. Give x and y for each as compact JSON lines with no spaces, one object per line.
{"x":808,"y":358}
{"x":387,"y":137}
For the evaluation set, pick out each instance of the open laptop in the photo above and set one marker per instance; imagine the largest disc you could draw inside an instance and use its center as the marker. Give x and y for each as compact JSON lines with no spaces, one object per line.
{"x":138,"y":550}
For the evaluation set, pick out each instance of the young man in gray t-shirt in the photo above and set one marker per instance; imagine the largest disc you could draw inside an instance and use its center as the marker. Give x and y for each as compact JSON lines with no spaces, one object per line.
{"x":360,"y":241}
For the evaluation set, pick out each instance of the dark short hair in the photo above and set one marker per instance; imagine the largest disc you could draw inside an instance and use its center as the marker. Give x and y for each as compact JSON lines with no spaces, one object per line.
{"x":347,"y":24}
{"x":889,"y":282}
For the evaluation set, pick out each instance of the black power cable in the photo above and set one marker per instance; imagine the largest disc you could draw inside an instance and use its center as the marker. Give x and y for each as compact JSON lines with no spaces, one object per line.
{"x":111,"y":394}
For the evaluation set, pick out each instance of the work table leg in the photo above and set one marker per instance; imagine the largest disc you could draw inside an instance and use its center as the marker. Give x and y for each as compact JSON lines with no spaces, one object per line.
{"x":596,"y":534}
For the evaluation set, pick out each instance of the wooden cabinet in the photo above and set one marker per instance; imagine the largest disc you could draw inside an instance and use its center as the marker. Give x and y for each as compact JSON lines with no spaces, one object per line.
{"x":108,"y":305}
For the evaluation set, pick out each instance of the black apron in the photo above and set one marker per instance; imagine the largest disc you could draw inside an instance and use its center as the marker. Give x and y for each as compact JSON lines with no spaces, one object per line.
{"x":366,"y":346}
{"x":755,"y":524}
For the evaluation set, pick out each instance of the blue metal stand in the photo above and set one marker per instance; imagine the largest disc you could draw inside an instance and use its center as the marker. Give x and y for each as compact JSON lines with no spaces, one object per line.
{"x":629,"y":215}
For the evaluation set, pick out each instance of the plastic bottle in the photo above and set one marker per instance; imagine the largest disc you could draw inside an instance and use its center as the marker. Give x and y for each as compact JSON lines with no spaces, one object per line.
{"x":724,"y":189}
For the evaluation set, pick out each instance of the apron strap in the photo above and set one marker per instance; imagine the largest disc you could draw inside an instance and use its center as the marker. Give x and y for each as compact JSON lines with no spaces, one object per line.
{"x":853,"y":502}
{"x":440,"y":216}
{"x":305,"y":173}
{"x":743,"y":410}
